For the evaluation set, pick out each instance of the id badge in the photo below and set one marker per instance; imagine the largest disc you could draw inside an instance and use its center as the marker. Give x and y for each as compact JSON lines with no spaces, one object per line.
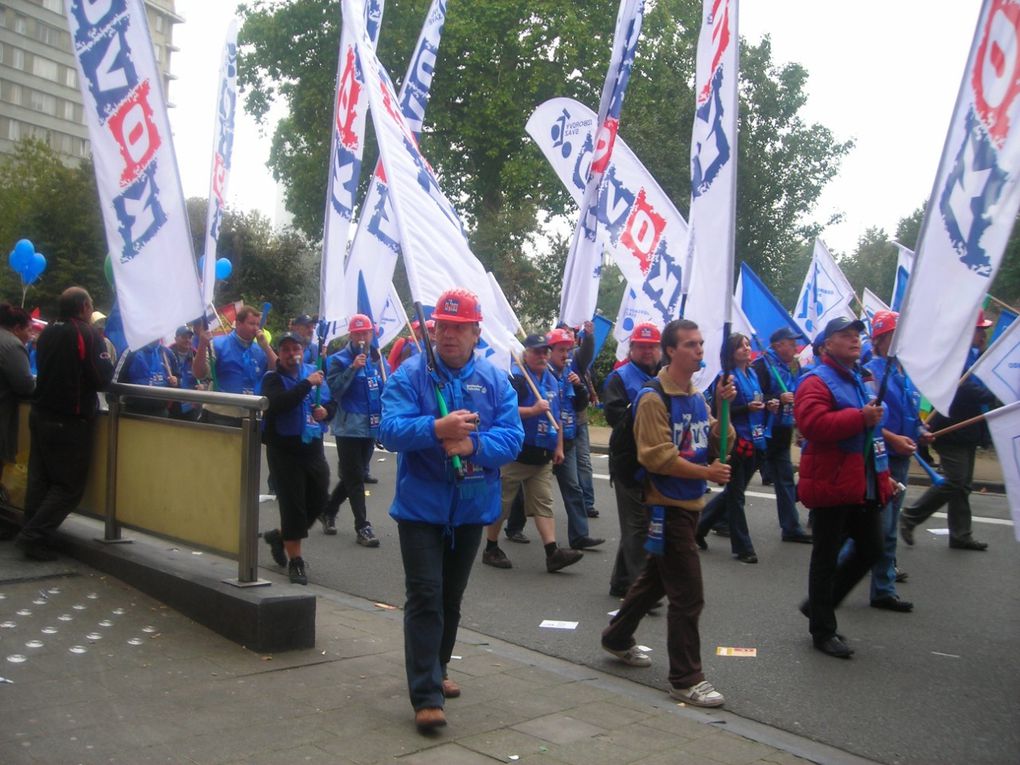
{"x":373,"y":420}
{"x":786,"y":415}
{"x":758,"y":436}
{"x":881,"y":457}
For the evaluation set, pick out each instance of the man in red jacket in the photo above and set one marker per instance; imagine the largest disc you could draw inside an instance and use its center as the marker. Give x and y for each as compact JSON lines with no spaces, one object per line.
{"x":844,"y":476}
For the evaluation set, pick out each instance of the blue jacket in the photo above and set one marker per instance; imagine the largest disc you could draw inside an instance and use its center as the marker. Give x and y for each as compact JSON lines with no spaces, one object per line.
{"x":427,"y":489}
{"x":239,"y":366}
{"x":288,"y":424}
{"x":902,"y":400}
{"x":358,"y":393}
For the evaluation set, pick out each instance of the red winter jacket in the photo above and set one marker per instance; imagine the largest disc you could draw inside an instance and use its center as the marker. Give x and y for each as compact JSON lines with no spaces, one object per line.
{"x":828,"y":475}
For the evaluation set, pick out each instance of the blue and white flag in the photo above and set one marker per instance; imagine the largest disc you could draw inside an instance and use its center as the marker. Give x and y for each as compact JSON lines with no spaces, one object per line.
{"x":872,"y":304}
{"x":971,"y":212}
{"x":712,"y":226}
{"x":1006,"y":318}
{"x":825,"y":294}
{"x":584,"y":262}
{"x":146,"y":221}
{"x":762,"y":308}
{"x":999,"y":366}
{"x":1004,"y":425}
{"x":376,"y":243}
{"x":346,"y":149}
{"x":433,"y":243}
{"x":638,"y":223}
{"x":904,"y":265}
{"x":223,"y":149}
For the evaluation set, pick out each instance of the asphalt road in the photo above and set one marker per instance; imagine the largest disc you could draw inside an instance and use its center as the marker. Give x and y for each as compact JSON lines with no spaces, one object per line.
{"x":939,"y":685}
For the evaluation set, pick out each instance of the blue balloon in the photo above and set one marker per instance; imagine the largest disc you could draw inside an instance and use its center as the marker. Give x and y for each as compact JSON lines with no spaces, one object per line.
{"x":12,"y":260}
{"x":224,"y":268}
{"x":40,"y":263}
{"x":24,"y":247}
{"x":21,"y":256}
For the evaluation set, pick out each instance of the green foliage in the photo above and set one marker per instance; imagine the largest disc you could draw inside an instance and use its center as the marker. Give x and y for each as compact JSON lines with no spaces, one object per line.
{"x":498,"y":60}
{"x":872,"y":264}
{"x":56,"y":207}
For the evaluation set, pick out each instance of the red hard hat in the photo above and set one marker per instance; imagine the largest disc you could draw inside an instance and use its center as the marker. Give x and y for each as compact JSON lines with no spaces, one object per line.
{"x":883,"y":322}
{"x":559,"y":336}
{"x":646,"y":333}
{"x":459,"y":306}
{"x":359,"y":323}
{"x":982,"y":322}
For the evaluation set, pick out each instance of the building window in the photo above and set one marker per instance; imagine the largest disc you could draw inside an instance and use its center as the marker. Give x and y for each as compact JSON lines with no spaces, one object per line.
{"x":13,"y":57}
{"x":12,"y":130}
{"x":42,"y":102}
{"x":51,"y":36}
{"x":21,"y":25}
{"x":43,"y":67}
{"x":71,"y":77}
{"x":11,"y":92}
{"x":160,"y":23}
{"x":57,"y":6}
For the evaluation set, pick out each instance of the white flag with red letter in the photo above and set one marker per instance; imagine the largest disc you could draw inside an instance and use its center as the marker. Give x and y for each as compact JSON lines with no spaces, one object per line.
{"x":140,"y":195}
{"x":971,"y":211}
{"x":584,"y":262}
{"x":712,"y":225}
{"x":435,"y":250}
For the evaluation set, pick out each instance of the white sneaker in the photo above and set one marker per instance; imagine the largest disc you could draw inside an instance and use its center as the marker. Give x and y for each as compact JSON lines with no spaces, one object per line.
{"x":631,"y":657}
{"x":700,"y":695}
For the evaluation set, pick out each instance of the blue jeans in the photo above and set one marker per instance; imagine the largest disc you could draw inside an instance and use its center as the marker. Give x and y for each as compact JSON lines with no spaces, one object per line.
{"x":570,"y":490}
{"x":883,"y":573}
{"x":779,"y":466}
{"x":582,"y":445}
{"x":436,"y":571}
{"x":728,"y":506}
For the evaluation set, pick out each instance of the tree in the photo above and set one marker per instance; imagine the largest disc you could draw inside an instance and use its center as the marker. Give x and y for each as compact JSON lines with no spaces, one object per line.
{"x":487,"y":83}
{"x":57,"y":208}
{"x":872,"y":264}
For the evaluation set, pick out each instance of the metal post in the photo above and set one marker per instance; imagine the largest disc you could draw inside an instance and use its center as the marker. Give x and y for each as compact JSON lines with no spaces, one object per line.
{"x":247,"y":539}
{"x":111,"y":530}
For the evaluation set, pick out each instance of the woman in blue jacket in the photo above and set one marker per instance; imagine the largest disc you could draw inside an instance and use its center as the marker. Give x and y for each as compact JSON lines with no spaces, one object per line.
{"x":440,"y":514}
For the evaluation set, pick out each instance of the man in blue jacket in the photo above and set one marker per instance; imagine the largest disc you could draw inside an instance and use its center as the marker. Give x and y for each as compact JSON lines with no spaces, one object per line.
{"x":355,"y":378}
{"x":440,"y":514}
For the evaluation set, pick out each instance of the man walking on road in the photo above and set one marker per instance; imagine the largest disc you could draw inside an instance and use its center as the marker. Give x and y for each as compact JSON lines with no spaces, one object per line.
{"x":673,"y":446}
{"x":440,"y":514}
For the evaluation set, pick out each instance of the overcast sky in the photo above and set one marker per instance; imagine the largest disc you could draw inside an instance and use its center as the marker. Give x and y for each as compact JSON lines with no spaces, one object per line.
{"x":883,"y":72}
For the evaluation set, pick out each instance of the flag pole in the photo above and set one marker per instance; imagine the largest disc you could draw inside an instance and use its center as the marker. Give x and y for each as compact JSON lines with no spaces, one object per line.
{"x":963,"y":423}
{"x":534,"y":388}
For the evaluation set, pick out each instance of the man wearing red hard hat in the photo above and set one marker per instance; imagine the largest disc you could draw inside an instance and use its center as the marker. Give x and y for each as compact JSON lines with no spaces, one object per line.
{"x":355,"y":378}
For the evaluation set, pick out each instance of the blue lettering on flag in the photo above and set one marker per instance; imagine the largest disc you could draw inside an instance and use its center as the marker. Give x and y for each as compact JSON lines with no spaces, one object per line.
{"x":428,"y":183}
{"x":346,"y":171}
{"x":623,"y":74}
{"x":139,"y":213}
{"x":587,"y":149}
{"x":714,"y":151}
{"x":663,"y":283}
{"x":381,"y":221}
{"x":971,"y":193}
{"x":558,"y":133}
{"x":108,"y":68}
{"x":614,"y":203}
{"x":91,"y":18}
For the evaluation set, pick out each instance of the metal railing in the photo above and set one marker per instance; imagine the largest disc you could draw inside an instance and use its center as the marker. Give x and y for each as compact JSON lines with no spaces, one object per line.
{"x":251,"y":461}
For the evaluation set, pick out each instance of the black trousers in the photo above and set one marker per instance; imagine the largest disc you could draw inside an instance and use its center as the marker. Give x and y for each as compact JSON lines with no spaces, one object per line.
{"x":302,"y":482}
{"x":352,"y":455}
{"x":58,"y":468}
{"x":829,"y":582}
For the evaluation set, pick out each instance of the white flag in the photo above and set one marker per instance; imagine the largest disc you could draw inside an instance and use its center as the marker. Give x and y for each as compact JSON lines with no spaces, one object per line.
{"x":1004,"y":425}
{"x":872,"y":304}
{"x":635,"y":308}
{"x":999,"y":366}
{"x":825,"y":294}
{"x":712,"y":224}
{"x":638,"y":222}
{"x":376,"y":242}
{"x":584,"y":262}
{"x":223,"y":149}
{"x":346,"y":147}
{"x":435,"y":251}
{"x":140,"y":195}
{"x":970,"y":214}
{"x":904,"y":265}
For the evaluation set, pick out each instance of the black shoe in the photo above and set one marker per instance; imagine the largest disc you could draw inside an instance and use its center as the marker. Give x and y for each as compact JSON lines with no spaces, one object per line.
{"x":907,"y":533}
{"x":367,"y":538}
{"x":804,"y":539}
{"x":767,"y":482}
{"x":747,"y":558}
{"x":893,"y":603}
{"x":834,"y":646}
{"x":36,"y":551}
{"x":593,"y":513}
{"x":561,"y":559}
{"x":901,"y":575}
{"x":805,"y":608}
{"x":586,"y":543}
{"x":371,"y":479}
{"x":617,"y":593}
{"x":518,"y":537}
{"x":275,"y":541}
{"x":328,"y":525}
{"x":699,"y":540}
{"x":967,"y":544}
{"x":296,"y":571}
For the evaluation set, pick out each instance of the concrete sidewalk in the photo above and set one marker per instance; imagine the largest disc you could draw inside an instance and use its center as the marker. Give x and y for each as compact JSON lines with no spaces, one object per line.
{"x":96,"y":672}
{"x":987,"y":470}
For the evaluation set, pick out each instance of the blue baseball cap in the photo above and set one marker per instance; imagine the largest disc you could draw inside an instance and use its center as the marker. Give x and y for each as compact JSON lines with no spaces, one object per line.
{"x":838,"y":325}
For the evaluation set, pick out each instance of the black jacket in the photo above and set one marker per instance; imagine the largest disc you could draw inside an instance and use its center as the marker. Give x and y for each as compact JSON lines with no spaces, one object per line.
{"x":73,"y":366}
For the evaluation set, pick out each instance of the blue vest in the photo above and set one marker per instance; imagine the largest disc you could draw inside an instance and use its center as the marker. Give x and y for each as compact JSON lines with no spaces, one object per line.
{"x":187,"y":380}
{"x":633,"y":380}
{"x":851,"y":394}
{"x":537,"y":430}
{"x":689,"y":418}
{"x":902,"y":400}
{"x":363,"y":395}
{"x":783,"y":418}
{"x":239,"y":368}
{"x":568,"y":417}
{"x":299,"y":421}
{"x":147,"y":366}
{"x":751,"y":425}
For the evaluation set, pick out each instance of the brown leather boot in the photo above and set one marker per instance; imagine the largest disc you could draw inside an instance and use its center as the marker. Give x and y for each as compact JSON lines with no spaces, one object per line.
{"x":428,"y":719}
{"x":450,"y":688}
